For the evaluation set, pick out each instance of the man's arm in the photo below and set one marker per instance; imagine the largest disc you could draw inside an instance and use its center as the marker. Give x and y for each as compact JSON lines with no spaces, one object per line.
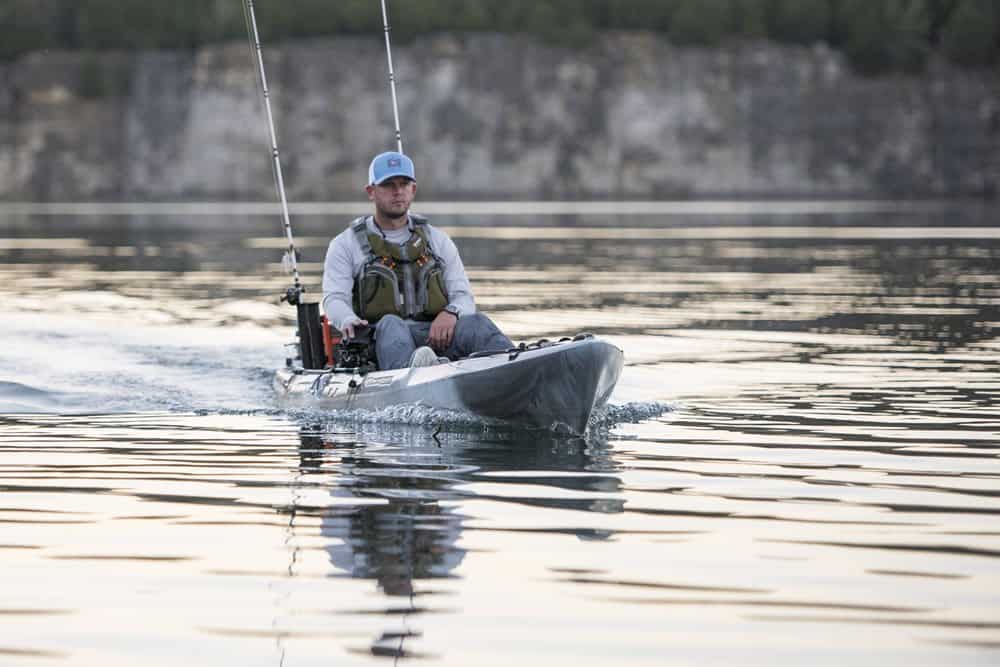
{"x":338,"y":282}
{"x":456,"y":282}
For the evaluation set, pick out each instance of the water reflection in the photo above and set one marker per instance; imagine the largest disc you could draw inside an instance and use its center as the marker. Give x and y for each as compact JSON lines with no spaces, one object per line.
{"x":926,"y":276}
{"x":409,"y":537}
{"x":414,"y":536}
{"x":831,"y":464}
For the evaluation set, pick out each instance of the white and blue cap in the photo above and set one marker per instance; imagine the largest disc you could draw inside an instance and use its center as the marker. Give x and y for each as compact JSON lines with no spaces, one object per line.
{"x":389,"y":165}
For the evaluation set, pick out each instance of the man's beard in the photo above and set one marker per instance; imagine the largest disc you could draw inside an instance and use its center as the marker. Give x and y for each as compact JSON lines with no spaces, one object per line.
{"x":392,"y":215}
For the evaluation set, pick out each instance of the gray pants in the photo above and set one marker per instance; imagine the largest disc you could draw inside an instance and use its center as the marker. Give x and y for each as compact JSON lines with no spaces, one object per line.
{"x":396,"y":339}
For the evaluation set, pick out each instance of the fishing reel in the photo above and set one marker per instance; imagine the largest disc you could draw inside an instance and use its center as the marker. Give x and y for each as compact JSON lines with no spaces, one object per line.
{"x":293,"y":295}
{"x":357,"y":352}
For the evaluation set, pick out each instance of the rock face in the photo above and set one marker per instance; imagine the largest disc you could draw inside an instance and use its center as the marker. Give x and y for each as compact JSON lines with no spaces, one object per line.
{"x":495,"y":116}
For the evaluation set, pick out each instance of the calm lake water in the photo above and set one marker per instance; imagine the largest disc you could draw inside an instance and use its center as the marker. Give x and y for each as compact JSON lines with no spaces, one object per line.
{"x":800,"y":465}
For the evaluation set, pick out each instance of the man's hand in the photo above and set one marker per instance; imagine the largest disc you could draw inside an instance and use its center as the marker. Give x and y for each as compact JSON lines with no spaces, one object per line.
{"x":349,"y":327}
{"x":442,"y":331}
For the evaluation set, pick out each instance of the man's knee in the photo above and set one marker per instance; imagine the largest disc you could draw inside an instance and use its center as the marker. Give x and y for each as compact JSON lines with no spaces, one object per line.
{"x":476,"y":332}
{"x":389,"y":323}
{"x":473,"y":322}
{"x":393,"y":344}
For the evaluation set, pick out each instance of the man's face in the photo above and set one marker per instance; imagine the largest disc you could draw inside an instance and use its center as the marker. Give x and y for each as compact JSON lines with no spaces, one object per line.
{"x":393,"y":197}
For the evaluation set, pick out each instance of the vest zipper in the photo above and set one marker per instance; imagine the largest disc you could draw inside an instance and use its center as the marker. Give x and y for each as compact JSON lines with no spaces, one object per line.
{"x":411,"y":297}
{"x":422,"y":298}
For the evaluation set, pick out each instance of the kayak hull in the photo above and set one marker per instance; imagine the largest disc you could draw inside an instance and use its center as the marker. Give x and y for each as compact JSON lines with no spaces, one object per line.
{"x":549,"y":385}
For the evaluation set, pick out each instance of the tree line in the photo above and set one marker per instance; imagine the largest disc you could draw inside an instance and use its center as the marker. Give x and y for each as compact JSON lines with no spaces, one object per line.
{"x":876,"y":35}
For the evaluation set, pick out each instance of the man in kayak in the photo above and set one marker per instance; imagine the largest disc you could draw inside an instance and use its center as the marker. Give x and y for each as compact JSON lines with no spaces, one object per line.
{"x":397,"y":272}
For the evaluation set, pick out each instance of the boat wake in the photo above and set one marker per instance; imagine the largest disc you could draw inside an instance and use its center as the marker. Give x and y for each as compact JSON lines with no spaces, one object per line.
{"x":66,"y":366}
{"x":612,"y":415}
{"x":17,"y":397}
{"x":602,"y":421}
{"x":75,"y":367}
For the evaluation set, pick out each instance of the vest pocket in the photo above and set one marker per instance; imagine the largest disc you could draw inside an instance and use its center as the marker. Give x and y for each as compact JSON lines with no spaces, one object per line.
{"x":433,"y":295}
{"x":378,"y":293}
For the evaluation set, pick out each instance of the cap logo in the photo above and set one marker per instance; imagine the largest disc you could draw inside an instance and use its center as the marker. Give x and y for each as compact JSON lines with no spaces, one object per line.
{"x":393,"y":162}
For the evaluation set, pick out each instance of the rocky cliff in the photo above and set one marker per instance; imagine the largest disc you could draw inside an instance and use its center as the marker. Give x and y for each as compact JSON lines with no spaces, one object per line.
{"x":495,"y":116}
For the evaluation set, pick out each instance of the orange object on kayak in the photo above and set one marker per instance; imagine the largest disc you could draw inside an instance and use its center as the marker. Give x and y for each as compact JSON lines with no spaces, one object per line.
{"x":329,"y":341}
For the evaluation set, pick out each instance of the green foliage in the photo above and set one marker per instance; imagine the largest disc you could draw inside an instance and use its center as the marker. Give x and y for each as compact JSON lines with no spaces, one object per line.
{"x":877,"y":35}
{"x":512,"y":15}
{"x":357,"y":16}
{"x":972,"y":37}
{"x":110,"y":24}
{"x":798,"y":21}
{"x":886,"y":36}
{"x":700,"y":22}
{"x":543,"y":19}
{"x":749,"y":18}
{"x":939,"y":14}
{"x":222,"y":20}
{"x":24,"y":26}
{"x":641,"y":14}
{"x":472,"y":16}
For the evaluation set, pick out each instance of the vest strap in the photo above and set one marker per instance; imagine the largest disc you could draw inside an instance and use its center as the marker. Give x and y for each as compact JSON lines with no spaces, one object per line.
{"x":360,"y":229}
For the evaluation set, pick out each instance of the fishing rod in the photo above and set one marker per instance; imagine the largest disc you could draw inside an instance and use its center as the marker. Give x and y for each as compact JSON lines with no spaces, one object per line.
{"x":392,"y":77}
{"x":293,"y":293}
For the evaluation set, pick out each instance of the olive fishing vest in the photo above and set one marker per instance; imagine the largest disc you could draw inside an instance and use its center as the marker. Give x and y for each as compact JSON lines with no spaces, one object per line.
{"x":406,"y":280}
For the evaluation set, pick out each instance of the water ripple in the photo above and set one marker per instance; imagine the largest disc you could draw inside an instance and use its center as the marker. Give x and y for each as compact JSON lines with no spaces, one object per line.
{"x":805,"y":443}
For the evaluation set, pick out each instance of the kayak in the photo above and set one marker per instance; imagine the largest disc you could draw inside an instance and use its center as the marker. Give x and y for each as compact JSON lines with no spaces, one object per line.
{"x":548,"y":384}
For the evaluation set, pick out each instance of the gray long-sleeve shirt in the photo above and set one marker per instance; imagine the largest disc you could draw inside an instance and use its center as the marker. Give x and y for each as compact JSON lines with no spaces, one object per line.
{"x":345,"y":259}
